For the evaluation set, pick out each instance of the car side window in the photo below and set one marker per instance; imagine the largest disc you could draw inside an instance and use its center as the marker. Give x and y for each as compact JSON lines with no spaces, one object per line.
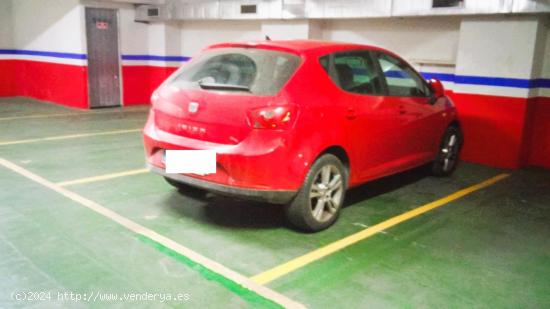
{"x":401,"y":79}
{"x":354,"y":72}
{"x":325,"y":62}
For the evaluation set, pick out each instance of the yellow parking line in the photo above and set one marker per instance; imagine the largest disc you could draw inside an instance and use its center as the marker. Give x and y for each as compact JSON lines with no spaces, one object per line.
{"x":292,"y":265}
{"x":102,"y":177}
{"x":72,"y":114}
{"x":55,"y":138}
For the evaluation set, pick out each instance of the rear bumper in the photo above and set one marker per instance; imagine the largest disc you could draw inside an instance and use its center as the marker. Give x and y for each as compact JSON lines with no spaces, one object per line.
{"x":266,"y":160}
{"x":270,"y":196}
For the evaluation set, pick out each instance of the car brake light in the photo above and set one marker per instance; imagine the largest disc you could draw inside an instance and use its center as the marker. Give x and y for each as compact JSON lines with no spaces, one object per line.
{"x":273,"y":117}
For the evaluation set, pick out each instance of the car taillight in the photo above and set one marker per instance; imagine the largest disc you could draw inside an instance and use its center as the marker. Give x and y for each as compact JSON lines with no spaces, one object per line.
{"x":273,"y":117}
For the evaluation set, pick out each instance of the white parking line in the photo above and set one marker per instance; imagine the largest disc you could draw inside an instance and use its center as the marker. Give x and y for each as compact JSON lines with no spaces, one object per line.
{"x":70,"y":136}
{"x":74,"y":114}
{"x":102,"y":177}
{"x":139,"y":229}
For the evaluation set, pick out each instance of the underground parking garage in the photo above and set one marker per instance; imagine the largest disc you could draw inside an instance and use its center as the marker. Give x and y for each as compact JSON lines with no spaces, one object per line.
{"x":295,"y":154}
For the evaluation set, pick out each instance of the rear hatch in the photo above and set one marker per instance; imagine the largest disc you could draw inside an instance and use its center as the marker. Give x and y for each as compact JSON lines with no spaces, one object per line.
{"x":213,"y":97}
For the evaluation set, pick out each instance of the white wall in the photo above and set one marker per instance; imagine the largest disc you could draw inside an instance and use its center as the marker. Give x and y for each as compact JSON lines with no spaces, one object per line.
{"x":497,"y":47}
{"x":545,"y":55}
{"x":6,"y":35}
{"x":195,"y":35}
{"x":164,"y":39}
{"x":286,"y":30}
{"x":134,"y":36}
{"x":434,"y":39}
{"x":53,"y":25}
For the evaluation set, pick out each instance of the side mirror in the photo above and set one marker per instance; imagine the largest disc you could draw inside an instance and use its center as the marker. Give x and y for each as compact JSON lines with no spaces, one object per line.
{"x":437,"y":87}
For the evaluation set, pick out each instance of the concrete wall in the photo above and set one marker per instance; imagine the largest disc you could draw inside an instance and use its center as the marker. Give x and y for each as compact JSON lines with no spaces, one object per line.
{"x":509,"y":53}
{"x":434,"y":39}
{"x":196,"y":35}
{"x":545,"y":55}
{"x":134,"y":37}
{"x":145,"y":58}
{"x":6,"y":22}
{"x":492,"y":87}
{"x":538,"y":120}
{"x":7,"y":79}
{"x":45,"y":55}
{"x":290,"y":30}
{"x":40,"y":25}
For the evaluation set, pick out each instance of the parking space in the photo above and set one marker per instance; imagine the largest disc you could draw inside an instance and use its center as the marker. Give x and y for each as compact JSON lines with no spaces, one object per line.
{"x":55,"y":245}
{"x":447,"y":256}
{"x":488,"y":248}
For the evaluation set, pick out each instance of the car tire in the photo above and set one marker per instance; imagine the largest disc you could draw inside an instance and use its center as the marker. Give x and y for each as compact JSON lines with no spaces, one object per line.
{"x":186,"y":189}
{"x":317,"y":204}
{"x":449,"y":149}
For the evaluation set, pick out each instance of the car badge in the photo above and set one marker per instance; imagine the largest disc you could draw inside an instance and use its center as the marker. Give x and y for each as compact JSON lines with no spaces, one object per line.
{"x":193,"y":107}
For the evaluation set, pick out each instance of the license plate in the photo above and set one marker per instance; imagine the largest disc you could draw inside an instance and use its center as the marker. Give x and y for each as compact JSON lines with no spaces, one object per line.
{"x":201,"y":162}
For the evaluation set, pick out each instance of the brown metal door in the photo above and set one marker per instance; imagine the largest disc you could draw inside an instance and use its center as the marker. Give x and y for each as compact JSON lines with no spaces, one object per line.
{"x":103,"y":57}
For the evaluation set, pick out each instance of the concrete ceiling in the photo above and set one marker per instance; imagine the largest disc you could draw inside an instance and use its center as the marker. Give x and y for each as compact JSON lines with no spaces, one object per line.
{"x":136,"y":1}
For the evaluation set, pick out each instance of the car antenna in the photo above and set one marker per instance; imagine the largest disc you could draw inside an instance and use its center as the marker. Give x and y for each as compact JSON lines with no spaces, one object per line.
{"x":267,"y":38}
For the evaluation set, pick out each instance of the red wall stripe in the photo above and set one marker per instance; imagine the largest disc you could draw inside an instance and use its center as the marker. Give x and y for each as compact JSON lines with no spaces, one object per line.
{"x":7,"y":78}
{"x":499,"y":131}
{"x":538,"y":136}
{"x":59,"y":83}
{"x":67,"y":84}
{"x":135,"y":85}
{"x":493,"y":129}
{"x":139,"y":82}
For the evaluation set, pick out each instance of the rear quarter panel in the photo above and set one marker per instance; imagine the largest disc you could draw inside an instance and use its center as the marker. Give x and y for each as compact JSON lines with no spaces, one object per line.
{"x":318,"y":126}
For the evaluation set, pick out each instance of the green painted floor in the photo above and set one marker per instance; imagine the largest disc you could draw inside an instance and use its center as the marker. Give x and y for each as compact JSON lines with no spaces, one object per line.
{"x":488,"y":249}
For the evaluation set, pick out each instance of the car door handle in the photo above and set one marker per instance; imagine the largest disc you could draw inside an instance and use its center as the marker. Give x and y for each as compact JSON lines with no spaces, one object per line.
{"x":350,"y":113}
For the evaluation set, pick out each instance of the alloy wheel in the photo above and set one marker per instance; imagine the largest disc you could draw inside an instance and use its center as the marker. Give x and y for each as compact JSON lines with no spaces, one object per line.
{"x":325,"y":195}
{"x":450,"y":152}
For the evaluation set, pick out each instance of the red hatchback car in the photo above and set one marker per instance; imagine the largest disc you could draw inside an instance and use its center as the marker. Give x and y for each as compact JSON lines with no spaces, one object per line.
{"x":300,"y":122}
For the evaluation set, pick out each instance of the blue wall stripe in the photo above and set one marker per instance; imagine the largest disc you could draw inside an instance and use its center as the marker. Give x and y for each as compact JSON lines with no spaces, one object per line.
{"x":446,"y":77}
{"x":84,"y":56}
{"x":493,"y":81}
{"x":158,"y":58}
{"x":42,"y":53}
{"x":395,"y":74}
{"x":540,"y":83}
{"x":476,"y":80}
{"x":490,"y":81}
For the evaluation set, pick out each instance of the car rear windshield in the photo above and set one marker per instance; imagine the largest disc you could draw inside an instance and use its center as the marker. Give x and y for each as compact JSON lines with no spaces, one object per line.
{"x":258,"y":71}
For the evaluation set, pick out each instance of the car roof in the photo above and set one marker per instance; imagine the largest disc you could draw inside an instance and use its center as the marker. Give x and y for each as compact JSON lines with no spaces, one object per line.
{"x":299,"y":46}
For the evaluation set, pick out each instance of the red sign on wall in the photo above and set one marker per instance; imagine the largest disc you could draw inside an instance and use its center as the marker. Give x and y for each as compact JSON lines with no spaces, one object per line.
{"x":102,"y":25}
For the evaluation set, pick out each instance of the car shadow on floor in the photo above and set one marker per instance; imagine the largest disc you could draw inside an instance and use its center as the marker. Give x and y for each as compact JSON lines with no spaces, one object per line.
{"x":385,"y":185}
{"x":226,"y":211}
{"x":242,"y":214}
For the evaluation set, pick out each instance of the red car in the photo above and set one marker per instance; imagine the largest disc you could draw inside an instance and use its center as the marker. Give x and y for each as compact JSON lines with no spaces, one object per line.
{"x":300,"y":122}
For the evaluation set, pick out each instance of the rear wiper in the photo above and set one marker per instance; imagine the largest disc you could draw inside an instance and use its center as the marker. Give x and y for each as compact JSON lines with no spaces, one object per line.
{"x":206,"y":85}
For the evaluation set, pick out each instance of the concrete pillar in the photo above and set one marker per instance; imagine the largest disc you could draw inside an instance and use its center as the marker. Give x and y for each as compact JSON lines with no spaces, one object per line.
{"x":164,"y":39}
{"x":538,"y":118}
{"x":495,"y":67}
